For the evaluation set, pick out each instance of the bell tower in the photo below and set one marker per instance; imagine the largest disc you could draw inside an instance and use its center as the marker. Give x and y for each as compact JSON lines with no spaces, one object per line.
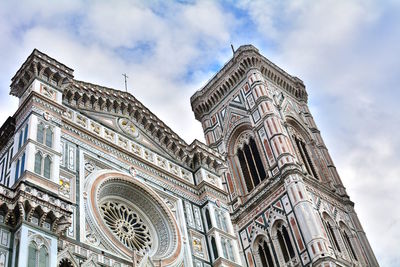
{"x":288,"y":204}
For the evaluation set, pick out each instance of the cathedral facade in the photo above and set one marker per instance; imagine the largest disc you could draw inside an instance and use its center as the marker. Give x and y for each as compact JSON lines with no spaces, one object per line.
{"x":91,"y":177}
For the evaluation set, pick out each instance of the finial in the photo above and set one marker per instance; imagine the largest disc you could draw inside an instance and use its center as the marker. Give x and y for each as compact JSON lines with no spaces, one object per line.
{"x":126,"y":84}
{"x":233,"y":49}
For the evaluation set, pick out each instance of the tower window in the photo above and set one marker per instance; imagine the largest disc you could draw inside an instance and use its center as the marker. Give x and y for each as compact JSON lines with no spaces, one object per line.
{"x":44,"y":134}
{"x":265,"y":255}
{"x":349,"y":246}
{"x":285,"y":243}
{"x":227,"y":249}
{"x":21,"y":136}
{"x":43,"y":166}
{"x":17,"y":170}
{"x":38,"y":163}
{"x":214,"y":248}
{"x":305,"y":157}
{"x":26,"y":133}
{"x":40,"y":133}
{"x":49,"y":137}
{"x":208,"y":219}
{"x":38,"y":257}
{"x":332,"y":236}
{"x":47,"y":167}
{"x":251,"y":165}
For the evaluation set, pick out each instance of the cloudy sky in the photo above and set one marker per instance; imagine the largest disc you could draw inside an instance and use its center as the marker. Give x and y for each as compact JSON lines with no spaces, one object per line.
{"x":347,"y":53}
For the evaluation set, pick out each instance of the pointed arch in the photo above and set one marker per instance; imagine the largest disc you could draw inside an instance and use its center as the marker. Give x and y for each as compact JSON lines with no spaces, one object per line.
{"x":332,"y":232}
{"x":263,"y":250}
{"x":349,"y":241}
{"x":303,"y":144}
{"x":283,"y":241}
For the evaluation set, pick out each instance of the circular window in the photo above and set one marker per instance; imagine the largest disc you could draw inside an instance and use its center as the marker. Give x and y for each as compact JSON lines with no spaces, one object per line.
{"x":131,"y":217}
{"x":127,"y":226}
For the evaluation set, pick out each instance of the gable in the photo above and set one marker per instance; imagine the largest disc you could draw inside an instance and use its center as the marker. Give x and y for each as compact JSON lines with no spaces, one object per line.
{"x":128,"y":128}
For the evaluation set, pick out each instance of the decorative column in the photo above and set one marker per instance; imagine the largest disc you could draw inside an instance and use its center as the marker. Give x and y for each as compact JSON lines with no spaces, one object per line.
{"x":307,"y":217}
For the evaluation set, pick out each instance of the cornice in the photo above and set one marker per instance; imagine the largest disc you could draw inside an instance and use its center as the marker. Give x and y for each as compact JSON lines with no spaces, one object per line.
{"x":39,"y":64}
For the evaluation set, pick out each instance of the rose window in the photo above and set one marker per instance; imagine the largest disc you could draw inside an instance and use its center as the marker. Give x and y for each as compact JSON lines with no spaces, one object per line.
{"x":127,"y":226}
{"x":127,"y":217}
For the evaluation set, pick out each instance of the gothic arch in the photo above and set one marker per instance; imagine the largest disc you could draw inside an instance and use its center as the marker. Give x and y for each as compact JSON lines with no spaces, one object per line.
{"x":246,"y":158}
{"x":304,"y":146}
{"x":351,"y":242}
{"x":39,"y":241}
{"x":283,"y":242}
{"x":265,"y":257}
{"x":299,"y":127}
{"x":333,"y":233}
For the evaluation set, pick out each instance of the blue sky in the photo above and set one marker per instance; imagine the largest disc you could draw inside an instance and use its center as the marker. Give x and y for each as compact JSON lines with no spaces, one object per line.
{"x":346,"y":51}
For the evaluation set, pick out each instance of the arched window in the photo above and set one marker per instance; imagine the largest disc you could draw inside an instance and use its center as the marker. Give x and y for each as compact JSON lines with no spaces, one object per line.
{"x":17,"y":170}
{"x":38,"y":163}
{"x":44,"y":134}
{"x":224,"y":248}
{"x":285,"y":243}
{"x":349,"y":246}
{"x":223,"y":223}
{"x":218,"y":218}
{"x":23,"y":163}
{"x":21,"y":136}
{"x":43,"y":257}
{"x":26,"y":133}
{"x":40,"y":133}
{"x":49,"y":137}
{"x":43,"y":166}
{"x":230,"y":251}
{"x":16,"y":252}
{"x":265,"y":254}
{"x":332,"y":236}
{"x":208,"y":219}
{"x":305,"y":157}
{"x":37,"y":257}
{"x":251,"y":164}
{"x":47,"y":167}
{"x":214,"y":248}
{"x":227,"y":249}
{"x":32,"y":255}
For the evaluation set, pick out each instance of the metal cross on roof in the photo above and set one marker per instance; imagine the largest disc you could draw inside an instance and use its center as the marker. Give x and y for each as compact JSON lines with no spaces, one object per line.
{"x":126,"y":84}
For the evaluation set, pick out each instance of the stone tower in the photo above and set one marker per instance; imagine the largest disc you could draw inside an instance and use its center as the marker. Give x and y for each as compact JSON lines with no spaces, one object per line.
{"x":287,"y":202}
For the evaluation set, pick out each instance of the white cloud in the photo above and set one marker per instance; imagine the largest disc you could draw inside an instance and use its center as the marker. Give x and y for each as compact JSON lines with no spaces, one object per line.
{"x":91,"y":39}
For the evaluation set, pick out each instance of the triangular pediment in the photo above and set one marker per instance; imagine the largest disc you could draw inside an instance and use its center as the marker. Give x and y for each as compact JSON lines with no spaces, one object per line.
{"x":128,"y":128}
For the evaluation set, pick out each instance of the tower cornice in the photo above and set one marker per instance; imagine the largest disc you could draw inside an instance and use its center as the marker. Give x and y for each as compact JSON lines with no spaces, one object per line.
{"x":246,"y":57}
{"x":39,"y":64}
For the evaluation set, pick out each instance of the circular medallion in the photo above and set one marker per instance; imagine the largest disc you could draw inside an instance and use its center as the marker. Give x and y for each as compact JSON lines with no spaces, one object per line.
{"x":46,"y":116}
{"x":128,"y":127}
{"x":132,"y":171}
